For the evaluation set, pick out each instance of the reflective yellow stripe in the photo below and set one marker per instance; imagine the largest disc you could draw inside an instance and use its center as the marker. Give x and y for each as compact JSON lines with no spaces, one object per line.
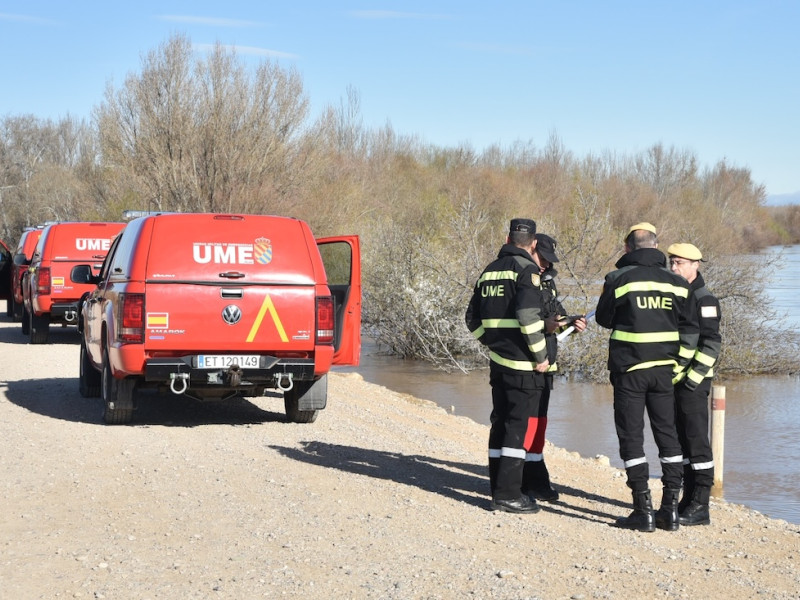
{"x":553,"y":367}
{"x":695,"y":376}
{"x":645,"y":338}
{"x":500,"y":323}
{"x":533,"y":327}
{"x":685,"y":352}
{"x":537,"y":347}
{"x":267,"y":306}
{"x":651,"y":286}
{"x":497,"y":275}
{"x":478,"y":333}
{"x":650,"y":364}
{"x":517,"y":365}
{"x":705,"y":359}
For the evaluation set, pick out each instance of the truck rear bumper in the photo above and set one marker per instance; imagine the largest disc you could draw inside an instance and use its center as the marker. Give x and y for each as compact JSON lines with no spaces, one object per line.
{"x":270,"y":372}
{"x":64,"y":313}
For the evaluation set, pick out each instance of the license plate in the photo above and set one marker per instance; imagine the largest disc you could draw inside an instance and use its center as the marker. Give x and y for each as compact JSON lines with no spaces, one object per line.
{"x":223,"y":361}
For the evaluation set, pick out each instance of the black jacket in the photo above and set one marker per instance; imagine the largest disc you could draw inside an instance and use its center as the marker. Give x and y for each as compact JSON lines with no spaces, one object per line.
{"x":648,"y":309}
{"x":505,"y":311}
{"x":709,"y":344}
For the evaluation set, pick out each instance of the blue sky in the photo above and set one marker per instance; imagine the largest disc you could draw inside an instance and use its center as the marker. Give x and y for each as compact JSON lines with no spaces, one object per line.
{"x":718,"y":78}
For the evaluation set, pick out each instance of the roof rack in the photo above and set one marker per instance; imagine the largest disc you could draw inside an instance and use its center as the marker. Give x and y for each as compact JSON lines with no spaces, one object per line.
{"x":129,"y":215}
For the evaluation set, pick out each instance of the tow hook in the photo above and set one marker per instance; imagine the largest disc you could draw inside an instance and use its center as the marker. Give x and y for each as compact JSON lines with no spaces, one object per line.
{"x":233,"y":376}
{"x":71,"y":316}
{"x":174,"y":378}
{"x":280,"y":377}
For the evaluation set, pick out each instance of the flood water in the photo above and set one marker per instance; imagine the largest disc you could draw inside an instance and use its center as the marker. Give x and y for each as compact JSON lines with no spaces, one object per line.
{"x":762,"y":418}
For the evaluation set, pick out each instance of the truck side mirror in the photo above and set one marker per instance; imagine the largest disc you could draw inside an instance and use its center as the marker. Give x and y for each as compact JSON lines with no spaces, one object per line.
{"x":83,"y":274}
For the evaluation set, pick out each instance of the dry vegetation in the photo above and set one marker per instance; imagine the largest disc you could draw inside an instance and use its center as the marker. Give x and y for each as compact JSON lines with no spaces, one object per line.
{"x":204,"y":133}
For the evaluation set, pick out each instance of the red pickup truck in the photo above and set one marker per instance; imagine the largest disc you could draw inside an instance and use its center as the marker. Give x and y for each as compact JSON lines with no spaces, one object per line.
{"x":21,"y":261}
{"x":217,"y":306}
{"x":49,"y":293}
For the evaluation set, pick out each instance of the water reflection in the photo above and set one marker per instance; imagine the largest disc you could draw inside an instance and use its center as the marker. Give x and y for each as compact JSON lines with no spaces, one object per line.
{"x":784,"y":288}
{"x":761,"y":422}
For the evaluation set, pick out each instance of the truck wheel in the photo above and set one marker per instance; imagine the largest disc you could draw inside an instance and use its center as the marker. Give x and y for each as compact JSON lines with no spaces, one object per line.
{"x":89,"y":379}
{"x":40,"y":328}
{"x":303,"y":401}
{"x":117,"y":396}
{"x":16,"y":310}
{"x":26,"y":322}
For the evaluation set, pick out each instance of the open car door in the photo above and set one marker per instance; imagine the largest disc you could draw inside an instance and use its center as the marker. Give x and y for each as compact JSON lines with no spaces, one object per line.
{"x":341,"y":256}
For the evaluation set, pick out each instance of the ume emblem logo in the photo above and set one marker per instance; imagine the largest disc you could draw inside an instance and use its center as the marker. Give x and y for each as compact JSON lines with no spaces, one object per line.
{"x":92,"y":244}
{"x":225,"y":253}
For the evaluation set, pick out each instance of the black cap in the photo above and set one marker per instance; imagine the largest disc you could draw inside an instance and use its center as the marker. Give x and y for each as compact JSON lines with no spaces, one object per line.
{"x":546,"y":246}
{"x":524,"y":225}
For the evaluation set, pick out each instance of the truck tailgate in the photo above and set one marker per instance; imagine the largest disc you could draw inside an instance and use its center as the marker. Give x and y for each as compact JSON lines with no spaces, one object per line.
{"x":197,"y":317}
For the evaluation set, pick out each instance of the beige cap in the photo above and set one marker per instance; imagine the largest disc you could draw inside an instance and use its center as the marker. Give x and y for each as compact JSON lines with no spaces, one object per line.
{"x":643,"y":225}
{"x":687,"y":251}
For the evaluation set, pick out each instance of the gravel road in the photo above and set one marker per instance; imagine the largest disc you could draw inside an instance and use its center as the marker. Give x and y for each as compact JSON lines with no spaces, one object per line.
{"x":385,"y":496}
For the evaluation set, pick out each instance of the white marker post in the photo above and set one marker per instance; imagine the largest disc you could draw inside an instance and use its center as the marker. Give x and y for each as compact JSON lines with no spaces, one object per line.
{"x":718,"y":431}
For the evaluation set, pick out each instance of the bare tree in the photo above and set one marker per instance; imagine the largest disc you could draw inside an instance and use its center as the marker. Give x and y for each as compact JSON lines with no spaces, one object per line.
{"x":39,"y":171}
{"x":204,"y":133}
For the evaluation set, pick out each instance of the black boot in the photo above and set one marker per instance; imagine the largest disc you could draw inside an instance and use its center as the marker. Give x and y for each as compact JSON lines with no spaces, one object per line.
{"x":688,"y":488}
{"x":667,"y":515}
{"x":523,"y":505}
{"x":642,"y":518}
{"x":697,"y":511}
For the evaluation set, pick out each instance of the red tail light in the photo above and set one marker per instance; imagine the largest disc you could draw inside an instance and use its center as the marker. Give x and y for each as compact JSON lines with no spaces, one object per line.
{"x":325,"y":320}
{"x":131,"y":319}
{"x":43,"y":280}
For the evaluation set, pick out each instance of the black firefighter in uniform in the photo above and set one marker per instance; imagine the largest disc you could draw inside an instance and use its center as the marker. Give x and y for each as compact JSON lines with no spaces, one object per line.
{"x":653,"y":335}
{"x":693,"y":388}
{"x":505,"y":315}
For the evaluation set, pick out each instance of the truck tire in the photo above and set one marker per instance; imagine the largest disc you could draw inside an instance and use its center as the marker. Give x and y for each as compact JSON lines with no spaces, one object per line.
{"x":26,"y":322}
{"x":40,"y":328}
{"x":16,"y":310}
{"x":117,"y":395}
{"x":304,"y":401}
{"x":89,"y":379}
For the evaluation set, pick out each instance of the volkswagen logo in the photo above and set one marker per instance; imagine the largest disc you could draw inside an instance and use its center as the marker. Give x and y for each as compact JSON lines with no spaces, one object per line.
{"x":231,"y":314}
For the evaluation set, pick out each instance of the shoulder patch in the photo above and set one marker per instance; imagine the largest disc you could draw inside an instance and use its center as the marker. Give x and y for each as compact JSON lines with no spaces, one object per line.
{"x":536,"y":279}
{"x":708,"y":312}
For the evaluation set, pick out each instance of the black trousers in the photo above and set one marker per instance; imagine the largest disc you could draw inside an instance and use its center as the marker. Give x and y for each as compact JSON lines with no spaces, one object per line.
{"x":692,"y":421}
{"x":634,"y":392}
{"x":515,"y":406}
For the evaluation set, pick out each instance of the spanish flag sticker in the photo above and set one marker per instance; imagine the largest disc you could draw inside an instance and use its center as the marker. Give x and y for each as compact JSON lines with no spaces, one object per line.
{"x":58,"y":282}
{"x":157,"y":321}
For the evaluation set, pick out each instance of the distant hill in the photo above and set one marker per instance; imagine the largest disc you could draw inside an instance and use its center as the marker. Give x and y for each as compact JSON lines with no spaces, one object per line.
{"x":783,"y":199}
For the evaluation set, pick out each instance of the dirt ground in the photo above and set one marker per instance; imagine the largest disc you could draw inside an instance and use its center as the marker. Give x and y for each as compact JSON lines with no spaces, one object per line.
{"x":385,"y":496}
